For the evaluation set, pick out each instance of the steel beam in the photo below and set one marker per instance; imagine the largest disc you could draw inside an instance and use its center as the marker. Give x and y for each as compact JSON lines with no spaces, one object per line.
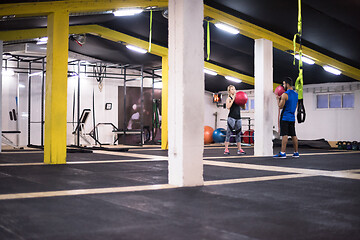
{"x":73,"y":6}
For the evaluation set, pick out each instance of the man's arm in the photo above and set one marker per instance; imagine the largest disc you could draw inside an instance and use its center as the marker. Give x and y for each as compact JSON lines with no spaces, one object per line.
{"x":284,"y":98}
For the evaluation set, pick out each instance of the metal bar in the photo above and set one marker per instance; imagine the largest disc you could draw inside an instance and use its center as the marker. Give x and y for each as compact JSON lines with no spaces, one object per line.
{"x":29,"y":105}
{"x":106,"y":77}
{"x":152,"y":106}
{"x":22,"y":68}
{"x":42,"y":101}
{"x":18,"y":57}
{"x":1,"y":94}
{"x":43,"y":8}
{"x":17,"y":102}
{"x":142,"y":106}
{"x":124,"y":127}
{"x":78,"y":106}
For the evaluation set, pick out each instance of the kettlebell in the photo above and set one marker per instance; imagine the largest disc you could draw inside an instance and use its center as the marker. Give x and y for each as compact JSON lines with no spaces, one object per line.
{"x":348,"y":146}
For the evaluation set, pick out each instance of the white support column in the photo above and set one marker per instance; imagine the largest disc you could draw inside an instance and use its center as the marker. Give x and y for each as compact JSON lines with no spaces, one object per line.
{"x":186,"y":92}
{"x":263,"y":97}
{"x":1,"y":61}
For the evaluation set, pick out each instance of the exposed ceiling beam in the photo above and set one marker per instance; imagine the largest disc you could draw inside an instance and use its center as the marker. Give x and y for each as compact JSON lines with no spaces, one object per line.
{"x":74,"y":6}
{"x":117,"y":37}
{"x":246,"y":28}
{"x":279,"y":42}
{"x":14,"y":35}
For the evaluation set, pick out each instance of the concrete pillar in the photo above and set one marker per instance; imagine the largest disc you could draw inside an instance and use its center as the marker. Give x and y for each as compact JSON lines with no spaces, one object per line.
{"x":1,"y":61}
{"x":263,"y":97}
{"x":56,"y":87}
{"x":186,"y":92}
{"x":164,"y":103}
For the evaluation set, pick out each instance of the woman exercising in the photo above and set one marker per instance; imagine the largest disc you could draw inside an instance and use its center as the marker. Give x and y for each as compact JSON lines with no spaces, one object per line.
{"x":233,"y":121}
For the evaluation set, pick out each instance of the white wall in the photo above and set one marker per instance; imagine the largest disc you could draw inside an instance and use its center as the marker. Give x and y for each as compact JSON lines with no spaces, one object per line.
{"x":330,"y":124}
{"x":333,"y":124}
{"x":210,"y":110}
{"x":108,"y":94}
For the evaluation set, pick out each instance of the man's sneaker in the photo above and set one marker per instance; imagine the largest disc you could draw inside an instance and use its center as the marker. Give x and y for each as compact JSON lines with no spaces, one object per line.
{"x":226,"y":152}
{"x":296,"y":155}
{"x":280,"y":155}
{"x":241,"y":152}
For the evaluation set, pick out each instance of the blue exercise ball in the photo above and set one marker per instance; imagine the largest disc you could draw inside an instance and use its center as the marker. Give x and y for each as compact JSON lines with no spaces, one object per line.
{"x":219,"y":135}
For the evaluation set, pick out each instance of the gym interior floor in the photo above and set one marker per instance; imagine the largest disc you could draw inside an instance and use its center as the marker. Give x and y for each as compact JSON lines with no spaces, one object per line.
{"x":125,"y":195}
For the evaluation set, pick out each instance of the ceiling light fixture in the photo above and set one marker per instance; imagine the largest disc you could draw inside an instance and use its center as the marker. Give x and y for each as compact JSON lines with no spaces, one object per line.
{"x":233,"y":79}
{"x":305,"y":59}
{"x":35,"y":74}
{"x":85,"y":62}
{"x":332,"y":70}
{"x":127,"y":12}
{"x":42,"y":40}
{"x":207,"y":71}
{"x":136,"y":49}
{"x":227,"y":28}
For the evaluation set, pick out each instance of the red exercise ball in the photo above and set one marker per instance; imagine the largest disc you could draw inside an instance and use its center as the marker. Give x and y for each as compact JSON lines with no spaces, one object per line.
{"x":208,"y":132}
{"x":248,"y":137}
{"x":241,"y":98}
{"x":279,"y":90}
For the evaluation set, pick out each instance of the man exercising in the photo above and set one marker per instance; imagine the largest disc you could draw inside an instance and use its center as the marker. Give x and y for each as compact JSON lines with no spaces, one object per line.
{"x":288,"y":102}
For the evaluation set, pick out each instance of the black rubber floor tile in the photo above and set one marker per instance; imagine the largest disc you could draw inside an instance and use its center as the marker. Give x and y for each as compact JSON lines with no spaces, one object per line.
{"x":212,"y":173}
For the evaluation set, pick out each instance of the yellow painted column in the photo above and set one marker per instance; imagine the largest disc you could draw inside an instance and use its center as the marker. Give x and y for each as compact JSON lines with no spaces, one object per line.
{"x":164,"y":103}
{"x":56,"y":87}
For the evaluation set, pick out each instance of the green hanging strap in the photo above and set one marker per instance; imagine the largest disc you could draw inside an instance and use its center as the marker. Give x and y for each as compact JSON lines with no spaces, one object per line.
{"x":208,"y":41}
{"x":299,"y":81}
{"x":150,"y":34}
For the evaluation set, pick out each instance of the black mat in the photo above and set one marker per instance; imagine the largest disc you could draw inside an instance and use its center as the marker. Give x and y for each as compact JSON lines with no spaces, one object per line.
{"x":304,"y":208}
{"x":314,"y":207}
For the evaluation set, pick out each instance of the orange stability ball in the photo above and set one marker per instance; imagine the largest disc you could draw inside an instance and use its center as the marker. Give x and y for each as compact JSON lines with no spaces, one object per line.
{"x":208,"y":132}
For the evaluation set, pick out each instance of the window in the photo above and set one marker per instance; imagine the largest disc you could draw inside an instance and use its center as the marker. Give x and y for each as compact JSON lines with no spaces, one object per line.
{"x":335,"y":100}
{"x":348,"y":100}
{"x":247,"y":106}
{"x":322,"y":101}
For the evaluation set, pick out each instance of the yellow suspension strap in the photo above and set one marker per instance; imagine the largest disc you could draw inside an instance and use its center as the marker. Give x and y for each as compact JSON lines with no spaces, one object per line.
{"x":208,"y":20}
{"x":208,"y":41}
{"x":299,"y":81}
{"x":150,"y":34}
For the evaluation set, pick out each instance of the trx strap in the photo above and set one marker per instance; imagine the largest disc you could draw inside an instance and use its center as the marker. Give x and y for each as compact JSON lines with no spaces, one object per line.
{"x":73,"y":120}
{"x":299,"y":81}
{"x":156,"y":122}
{"x":208,"y":41}
{"x":156,"y":119}
{"x":95,"y":133}
{"x":150,"y":34}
